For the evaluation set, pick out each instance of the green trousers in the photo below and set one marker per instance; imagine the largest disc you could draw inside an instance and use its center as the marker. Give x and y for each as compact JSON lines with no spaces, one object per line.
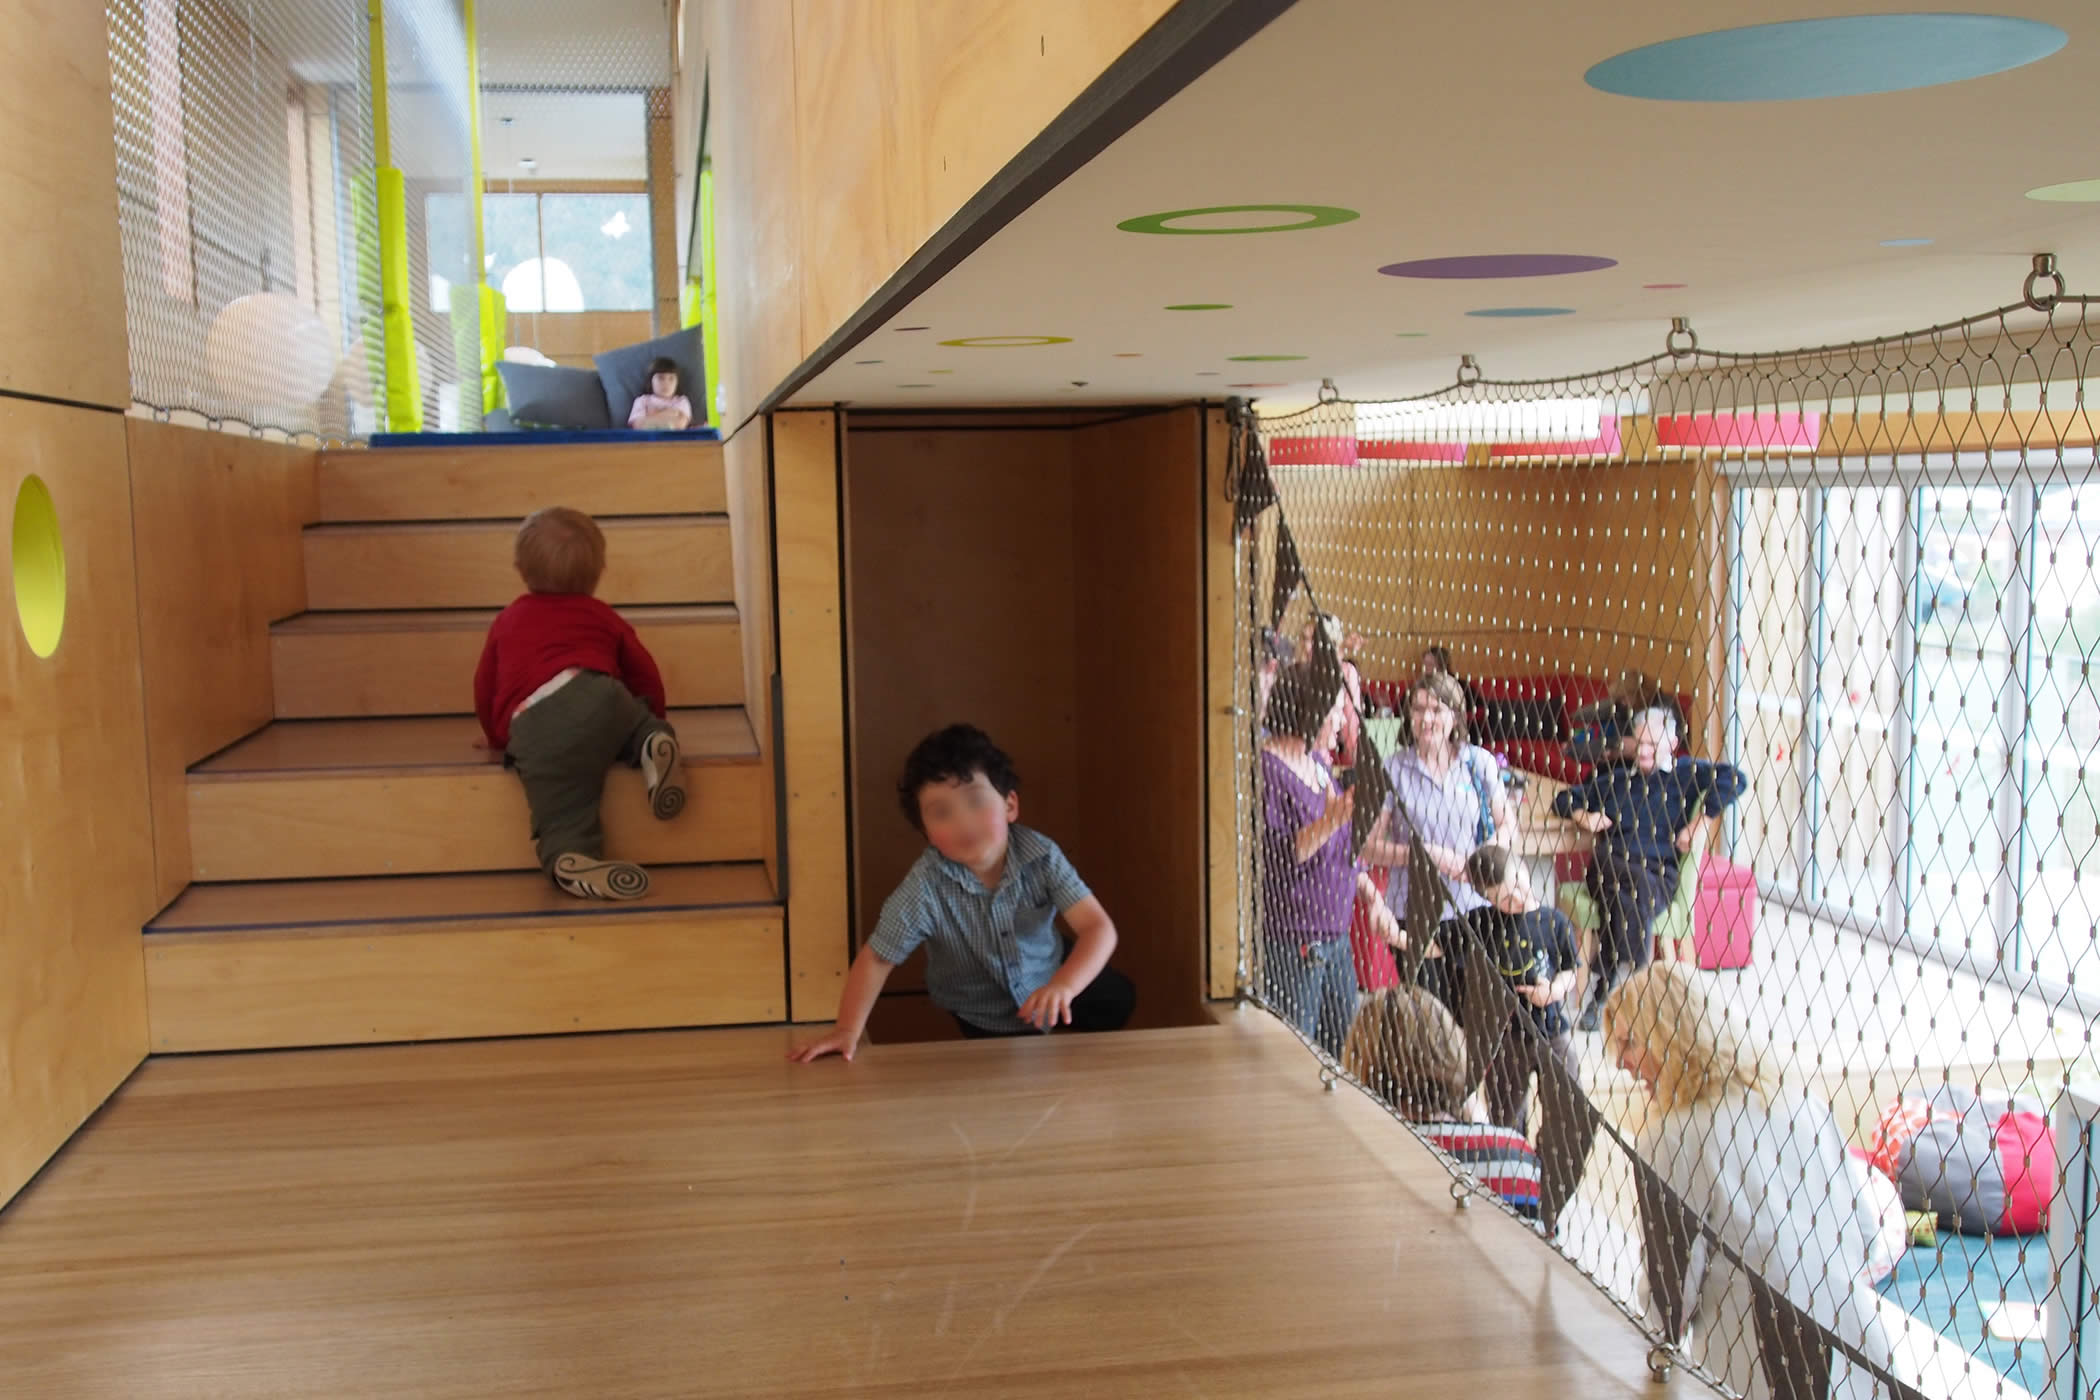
{"x":562,"y":747}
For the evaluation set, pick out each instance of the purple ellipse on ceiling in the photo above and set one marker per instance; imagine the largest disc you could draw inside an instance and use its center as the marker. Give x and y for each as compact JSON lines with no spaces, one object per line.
{"x":1500,"y":265}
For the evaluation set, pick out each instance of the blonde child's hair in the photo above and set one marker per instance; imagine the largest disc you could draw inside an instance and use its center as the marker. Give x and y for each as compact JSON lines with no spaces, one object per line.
{"x":1404,"y":1047}
{"x":560,"y":550}
{"x":1700,"y":1049}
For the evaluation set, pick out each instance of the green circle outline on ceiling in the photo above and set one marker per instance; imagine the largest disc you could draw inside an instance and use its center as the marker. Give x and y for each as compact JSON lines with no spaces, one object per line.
{"x":1317,"y":216}
{"x":1007,"y":342}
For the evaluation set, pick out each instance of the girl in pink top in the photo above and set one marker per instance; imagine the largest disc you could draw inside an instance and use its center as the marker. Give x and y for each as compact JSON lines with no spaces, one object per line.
{"x":663,"y":408}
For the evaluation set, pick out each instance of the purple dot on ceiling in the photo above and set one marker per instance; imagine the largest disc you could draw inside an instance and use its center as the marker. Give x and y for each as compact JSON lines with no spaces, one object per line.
{"x":1500,"y":265}
{"x":912,"y":328}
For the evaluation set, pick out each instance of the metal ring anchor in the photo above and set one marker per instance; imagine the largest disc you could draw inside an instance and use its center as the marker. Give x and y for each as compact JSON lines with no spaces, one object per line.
{"x":1660,"y":1361}
{"x":1468,"y":371}
{"x":2044,"y":267}
{"x":1681,"y":326}
{"x":1328,"y":393}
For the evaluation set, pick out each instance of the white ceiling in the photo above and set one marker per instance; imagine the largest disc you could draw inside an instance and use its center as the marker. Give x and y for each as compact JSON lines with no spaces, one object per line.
{"x":1466,"y":129}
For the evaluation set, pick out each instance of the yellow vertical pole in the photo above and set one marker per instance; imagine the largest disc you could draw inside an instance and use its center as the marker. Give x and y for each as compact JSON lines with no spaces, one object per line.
{"x":474,"y":182}
{"x":382,"y":151}
{"x":404,"y":389}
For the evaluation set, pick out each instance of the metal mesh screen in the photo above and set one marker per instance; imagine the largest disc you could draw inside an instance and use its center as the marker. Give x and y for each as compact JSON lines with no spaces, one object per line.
{"x":1671,"y":791}
{"x":244,"y":176}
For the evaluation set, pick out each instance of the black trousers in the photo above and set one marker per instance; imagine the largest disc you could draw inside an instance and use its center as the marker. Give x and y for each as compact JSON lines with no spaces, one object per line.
{"x":1629,"y":895}
{"x":1105,"y":1005}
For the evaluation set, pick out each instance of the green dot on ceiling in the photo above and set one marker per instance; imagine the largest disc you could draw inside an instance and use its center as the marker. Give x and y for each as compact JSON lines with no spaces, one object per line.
{"x":1201,"y":306}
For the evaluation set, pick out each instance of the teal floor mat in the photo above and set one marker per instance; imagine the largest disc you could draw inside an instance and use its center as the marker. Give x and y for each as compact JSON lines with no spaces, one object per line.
{"x":1948,"y":1287}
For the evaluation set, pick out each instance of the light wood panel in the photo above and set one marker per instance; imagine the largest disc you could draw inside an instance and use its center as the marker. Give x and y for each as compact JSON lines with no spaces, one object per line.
{"x":812,"y":708}
{"x":705,"y":737}
{"x":746,"y":477}
{"x":1880,"y":435}
{"x":904,"y":110}
{"x":467,"y":564}
{"x":758,"y":216}
{"x":1520,"y":568}
{"x":404,"y":821}
{"x":357,"y":985}
{"x":1163,"y":1213}
{"x":217,"y":527}
{"x":509,"y":483}
{"x":448,"y":901}
{"x":846,"y":132}
{"x":573,"y":338}
{"x":334,"y":665}
{"x":1230,"y":879}
{"x":62,"y":282}
{"x":663,"y":217}
{"x":963,"y":606}
{"x":1137,"y":542}
{"x":76,"y":843}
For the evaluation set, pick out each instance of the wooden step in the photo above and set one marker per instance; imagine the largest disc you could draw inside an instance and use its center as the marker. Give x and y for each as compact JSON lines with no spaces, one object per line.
{"x":510,"y":482}
{"x":336,"y":962}
{"x":346,"y":665}
{"x":467,"y":563}
{"x":311,"y":799}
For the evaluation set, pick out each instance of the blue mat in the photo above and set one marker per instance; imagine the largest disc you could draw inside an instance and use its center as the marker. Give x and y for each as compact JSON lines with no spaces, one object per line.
{"x":550,"y":435}
{"x":1948,"y":1288}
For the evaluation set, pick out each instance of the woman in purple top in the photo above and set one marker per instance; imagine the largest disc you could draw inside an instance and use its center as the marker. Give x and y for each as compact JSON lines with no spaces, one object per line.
{"x":1448,"y":794}
{"x":1310,"y":881}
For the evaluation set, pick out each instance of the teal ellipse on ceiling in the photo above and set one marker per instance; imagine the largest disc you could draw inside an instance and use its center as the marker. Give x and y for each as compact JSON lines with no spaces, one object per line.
{"x":1844,"y":56}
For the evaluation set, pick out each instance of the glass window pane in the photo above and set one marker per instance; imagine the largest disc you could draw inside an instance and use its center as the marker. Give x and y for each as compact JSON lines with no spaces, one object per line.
{"x":444,"y":235}
{"x":1960,"y":769}
{"x":1858,"y":686}
{"x":510,"y":231}
{"x":2061,"y":874}
{"x":1771,"y":640}
{"x":603,"y":240}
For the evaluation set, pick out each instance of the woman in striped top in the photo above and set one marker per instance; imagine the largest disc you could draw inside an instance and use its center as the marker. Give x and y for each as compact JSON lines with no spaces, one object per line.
{"x":1404,"y":1047}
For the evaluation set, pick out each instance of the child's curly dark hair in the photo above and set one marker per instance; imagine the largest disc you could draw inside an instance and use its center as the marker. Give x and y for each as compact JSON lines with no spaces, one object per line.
{"x":958,"y":753}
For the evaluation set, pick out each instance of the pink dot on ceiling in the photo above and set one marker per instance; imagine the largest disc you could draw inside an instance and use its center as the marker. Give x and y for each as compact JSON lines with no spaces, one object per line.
{"x":1662,"y":286}
{"x":913,"y":328}
{"x":1500,"y":265}
{"x":1130,"y":354}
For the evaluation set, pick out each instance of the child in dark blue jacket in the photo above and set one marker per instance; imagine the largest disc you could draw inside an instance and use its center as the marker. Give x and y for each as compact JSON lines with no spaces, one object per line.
{"x":1643,"y":815}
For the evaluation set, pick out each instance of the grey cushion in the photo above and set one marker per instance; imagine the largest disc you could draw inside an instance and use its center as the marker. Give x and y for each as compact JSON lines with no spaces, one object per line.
{"x":625,"y":372}
{"x":555,"y":396}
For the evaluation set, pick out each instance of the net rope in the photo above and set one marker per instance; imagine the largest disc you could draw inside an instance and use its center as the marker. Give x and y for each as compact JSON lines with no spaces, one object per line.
{"x":1777,"y":664}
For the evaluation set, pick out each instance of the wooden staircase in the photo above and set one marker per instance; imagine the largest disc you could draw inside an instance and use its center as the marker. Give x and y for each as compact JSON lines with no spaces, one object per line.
{"x":364,"y":873}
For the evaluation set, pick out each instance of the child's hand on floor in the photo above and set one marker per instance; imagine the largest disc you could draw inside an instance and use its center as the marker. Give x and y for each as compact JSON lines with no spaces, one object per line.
{"x":833,"y":1042}
{"x":1048,"y":1005}
{"x":1593,"y":821}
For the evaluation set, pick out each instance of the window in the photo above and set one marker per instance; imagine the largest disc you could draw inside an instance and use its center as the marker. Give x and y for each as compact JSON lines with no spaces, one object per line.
{"x":553,"y":252}
{"x":1913,"y":702}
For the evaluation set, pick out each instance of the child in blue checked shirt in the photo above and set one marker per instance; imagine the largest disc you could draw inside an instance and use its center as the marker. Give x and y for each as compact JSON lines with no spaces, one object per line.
{"x":983,"y":900}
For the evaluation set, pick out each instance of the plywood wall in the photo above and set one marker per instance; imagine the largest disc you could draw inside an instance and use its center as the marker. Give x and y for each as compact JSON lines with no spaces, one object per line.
{"x":846,"y":132}
{"x":61,"y":281}
{"x":1523,"y":568}
{"x":1046,"y":585}
{"x":1137,"y":545}
{"x":812,"y":708}
{"x":76,"y":846}
{"x":219,"y":560}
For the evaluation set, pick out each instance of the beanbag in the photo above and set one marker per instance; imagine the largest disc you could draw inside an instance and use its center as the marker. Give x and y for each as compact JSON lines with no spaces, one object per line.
{"x":1983,"y":1163}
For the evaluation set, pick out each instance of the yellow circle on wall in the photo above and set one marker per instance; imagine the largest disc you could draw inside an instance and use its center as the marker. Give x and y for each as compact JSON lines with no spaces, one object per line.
{"x":39,"y":567}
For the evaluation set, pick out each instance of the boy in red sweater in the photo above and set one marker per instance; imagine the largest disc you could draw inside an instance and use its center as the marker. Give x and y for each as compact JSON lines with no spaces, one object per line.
{"x":564,"y":688}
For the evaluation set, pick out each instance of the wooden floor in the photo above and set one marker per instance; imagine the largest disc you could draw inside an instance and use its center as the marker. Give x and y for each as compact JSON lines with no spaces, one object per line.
{"x":1160,"y":1213}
